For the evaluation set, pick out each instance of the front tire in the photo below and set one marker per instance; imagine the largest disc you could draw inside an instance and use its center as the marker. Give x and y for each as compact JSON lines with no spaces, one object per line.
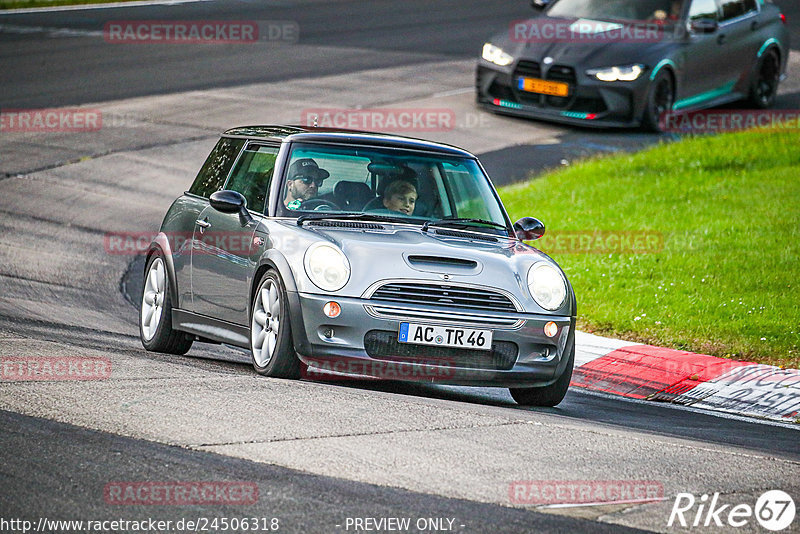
{"x":660,"y":100}
{"x":548,"y":395}
{"x":155,"y":314}
{"x":271,"y":344}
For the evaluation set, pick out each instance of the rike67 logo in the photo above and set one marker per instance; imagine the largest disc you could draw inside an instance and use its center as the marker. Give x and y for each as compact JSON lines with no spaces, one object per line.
{"x":774,"y":510}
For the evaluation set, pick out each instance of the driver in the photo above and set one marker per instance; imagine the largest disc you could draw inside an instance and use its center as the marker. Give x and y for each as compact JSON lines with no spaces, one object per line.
{"x":303,"y":182}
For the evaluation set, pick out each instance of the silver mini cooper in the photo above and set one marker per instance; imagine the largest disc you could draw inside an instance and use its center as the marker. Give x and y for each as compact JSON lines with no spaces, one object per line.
{"x":340,"y":253}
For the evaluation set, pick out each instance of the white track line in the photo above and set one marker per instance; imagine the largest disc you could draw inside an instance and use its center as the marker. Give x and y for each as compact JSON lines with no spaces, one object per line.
{"x":142,"y":3}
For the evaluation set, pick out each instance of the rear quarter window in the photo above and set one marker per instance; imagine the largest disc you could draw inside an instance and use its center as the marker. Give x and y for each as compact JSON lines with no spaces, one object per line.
{"x":216,"y":168}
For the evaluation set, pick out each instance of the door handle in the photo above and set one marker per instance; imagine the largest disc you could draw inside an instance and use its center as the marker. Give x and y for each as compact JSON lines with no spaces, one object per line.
{"x":721,"y":38}
{"x":754,"y":25}
{"x":202,"y":224}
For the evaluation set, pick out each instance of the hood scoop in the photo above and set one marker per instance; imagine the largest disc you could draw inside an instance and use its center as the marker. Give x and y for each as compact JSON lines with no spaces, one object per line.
{"x":446,"y":265}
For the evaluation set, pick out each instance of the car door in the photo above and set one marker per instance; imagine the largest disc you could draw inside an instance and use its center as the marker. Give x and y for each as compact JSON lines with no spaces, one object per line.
{"x":210,"y":178}
{"x":703,"y":59}
{"x":739,"y":25}
{"x":224,"y":246}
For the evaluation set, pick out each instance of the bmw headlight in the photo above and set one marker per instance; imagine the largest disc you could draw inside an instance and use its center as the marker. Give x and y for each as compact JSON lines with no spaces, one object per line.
{"x":628,"y":73}
{"x":548,"y":288}
{"x":496,"y":55}
{"x":327,"y":266}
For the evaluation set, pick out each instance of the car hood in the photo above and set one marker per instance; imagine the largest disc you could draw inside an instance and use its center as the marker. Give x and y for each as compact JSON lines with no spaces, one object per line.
{"x":406,"y":252}
{"x":596,"y":53}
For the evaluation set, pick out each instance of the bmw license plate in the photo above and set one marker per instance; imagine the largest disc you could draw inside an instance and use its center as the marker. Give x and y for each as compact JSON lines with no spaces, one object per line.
{"x":545,"y":87}
{"x":445,"y":336}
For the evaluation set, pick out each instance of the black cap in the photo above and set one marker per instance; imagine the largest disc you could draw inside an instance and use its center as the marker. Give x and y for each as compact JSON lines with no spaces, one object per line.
{"x":306,"y":167}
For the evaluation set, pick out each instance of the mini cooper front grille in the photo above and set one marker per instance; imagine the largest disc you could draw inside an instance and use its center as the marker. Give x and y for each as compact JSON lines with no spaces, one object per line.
{"x":349,"y":224}
{"x":383,"y":345}
{"x":444,"y":296}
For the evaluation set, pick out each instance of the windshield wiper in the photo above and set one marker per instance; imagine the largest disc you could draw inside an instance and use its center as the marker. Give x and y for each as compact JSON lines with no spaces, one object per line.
{"x":368,"y":216}
{"x":461,"y":221}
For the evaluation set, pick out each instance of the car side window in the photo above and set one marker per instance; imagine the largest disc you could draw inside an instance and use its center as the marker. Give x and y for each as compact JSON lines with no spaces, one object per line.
{"x":703,"y":9}
{"x":253,"y":174}
{"x":214,"y":171}
{"x":732,"y":9}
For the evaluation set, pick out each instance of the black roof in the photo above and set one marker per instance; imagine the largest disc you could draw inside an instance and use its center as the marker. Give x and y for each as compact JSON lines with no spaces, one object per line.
{"x":334,"y":135}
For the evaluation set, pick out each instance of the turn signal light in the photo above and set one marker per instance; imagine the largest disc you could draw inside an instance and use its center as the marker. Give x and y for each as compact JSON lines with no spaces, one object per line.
{"x":550,"y":329}
{"x":332,"y":309}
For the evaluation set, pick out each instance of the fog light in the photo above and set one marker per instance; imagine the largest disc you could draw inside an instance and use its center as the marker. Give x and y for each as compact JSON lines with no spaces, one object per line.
{"x":550,"y":329}
{"x":332,"y":309}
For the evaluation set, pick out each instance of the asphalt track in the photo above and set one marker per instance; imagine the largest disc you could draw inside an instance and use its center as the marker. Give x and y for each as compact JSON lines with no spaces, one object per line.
{"x":319,"y":451}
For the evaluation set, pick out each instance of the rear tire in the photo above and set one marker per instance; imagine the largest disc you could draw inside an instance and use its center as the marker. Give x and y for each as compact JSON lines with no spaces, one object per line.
{"x":271,"y":345}
{"x":548,"y":395}
{"x":155,"y":314}
{"x":660,"y":100}
{"x":764,"y":88}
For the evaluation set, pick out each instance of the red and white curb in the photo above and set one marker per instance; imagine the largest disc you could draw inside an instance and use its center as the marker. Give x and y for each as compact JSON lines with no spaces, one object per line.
{"x":654,"y":373}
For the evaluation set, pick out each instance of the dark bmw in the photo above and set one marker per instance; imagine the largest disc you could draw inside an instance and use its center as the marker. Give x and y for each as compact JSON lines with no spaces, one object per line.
{"x":626,"y":63}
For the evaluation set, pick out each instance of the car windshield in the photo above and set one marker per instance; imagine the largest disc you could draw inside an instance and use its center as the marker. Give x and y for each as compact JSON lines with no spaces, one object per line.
{"x":390,"y":184}
{"x":627,"y":10}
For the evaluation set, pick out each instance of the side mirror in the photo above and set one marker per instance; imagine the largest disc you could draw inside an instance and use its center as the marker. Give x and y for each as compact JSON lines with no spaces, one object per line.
{"x":704,"y":25}
{"x":231,"y":202}
{"x":540,"y":5}
{"x":529,"y":229}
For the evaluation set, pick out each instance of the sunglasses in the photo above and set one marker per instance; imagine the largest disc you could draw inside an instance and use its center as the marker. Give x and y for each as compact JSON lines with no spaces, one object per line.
{"x":308,"y":181}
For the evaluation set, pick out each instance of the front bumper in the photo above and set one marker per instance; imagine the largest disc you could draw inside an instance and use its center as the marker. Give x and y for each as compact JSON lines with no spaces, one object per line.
{"x":590,"y":102}
{"x":361,"y":341}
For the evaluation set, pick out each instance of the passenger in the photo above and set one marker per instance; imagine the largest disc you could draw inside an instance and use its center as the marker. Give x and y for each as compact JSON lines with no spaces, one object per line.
{"x":401,"y":196}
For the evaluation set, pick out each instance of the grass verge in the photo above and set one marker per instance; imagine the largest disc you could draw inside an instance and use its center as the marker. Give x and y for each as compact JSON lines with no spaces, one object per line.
{"x":724,"y":278}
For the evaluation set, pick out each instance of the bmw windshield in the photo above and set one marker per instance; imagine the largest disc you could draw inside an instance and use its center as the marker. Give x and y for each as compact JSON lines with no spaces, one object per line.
{"x":391,"y":185}
{"x":652,"y":11}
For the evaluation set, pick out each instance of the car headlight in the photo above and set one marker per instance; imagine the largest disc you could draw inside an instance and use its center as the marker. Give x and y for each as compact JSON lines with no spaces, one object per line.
{"x":496,"y":55}
{"x":327,"y":266}
{"x":628,"y":73}
{"x":548,"y":288}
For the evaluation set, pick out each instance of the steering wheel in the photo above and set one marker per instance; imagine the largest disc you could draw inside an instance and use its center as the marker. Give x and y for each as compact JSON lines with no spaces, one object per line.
{"x":317,"y":204}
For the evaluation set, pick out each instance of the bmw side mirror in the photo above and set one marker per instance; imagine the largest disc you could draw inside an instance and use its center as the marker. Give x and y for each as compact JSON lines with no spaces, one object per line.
{"x":529,"y":229}
{"x":704,"y":25}
{"x":231,"y":202}
{"x":540,"y":5}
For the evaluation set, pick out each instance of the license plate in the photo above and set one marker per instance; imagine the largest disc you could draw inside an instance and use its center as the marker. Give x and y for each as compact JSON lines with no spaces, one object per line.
{"x":445,"y":336}
{"x":545,"y":87}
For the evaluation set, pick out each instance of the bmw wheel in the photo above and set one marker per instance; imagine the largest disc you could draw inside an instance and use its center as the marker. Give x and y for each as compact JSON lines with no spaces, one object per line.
{"x":660,"y":100}
{"x":765,"y":85}
{"x":155,"y":315}
{"x":270,"y":333}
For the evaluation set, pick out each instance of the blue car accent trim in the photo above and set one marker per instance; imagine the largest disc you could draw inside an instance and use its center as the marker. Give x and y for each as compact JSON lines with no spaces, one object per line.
{"x":703,"y":97}
{"x":767,"y":43}
{"x":659,"y":65}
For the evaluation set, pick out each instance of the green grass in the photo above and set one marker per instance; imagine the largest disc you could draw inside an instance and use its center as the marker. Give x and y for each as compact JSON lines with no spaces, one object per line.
{"x":727,"y":281}
{"x":20,"y":4}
